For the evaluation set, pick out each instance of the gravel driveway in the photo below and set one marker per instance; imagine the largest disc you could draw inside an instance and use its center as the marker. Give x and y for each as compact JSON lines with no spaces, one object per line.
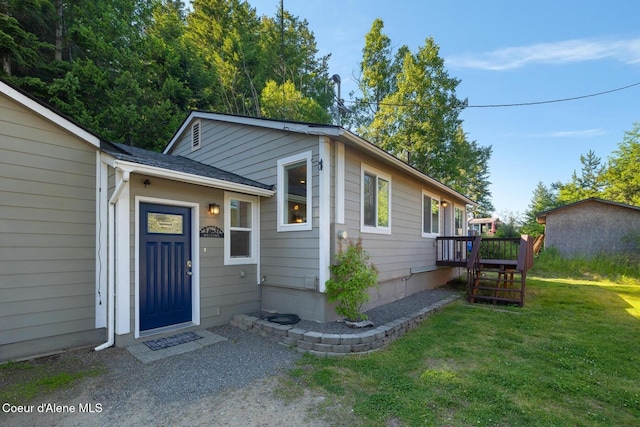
{"x":230,"y":383}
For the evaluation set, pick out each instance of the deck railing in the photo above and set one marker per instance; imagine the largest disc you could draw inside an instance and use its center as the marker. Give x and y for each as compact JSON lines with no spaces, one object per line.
{"x":453,"y":250}
{"x":496,"y":267}
{"x":463,"y":251}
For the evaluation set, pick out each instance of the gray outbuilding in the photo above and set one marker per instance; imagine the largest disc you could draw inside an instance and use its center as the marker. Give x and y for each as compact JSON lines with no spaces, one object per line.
{"x":590,"y":227}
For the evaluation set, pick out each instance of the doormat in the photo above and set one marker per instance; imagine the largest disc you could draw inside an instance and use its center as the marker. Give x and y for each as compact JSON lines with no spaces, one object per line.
{"x":171,"y":341}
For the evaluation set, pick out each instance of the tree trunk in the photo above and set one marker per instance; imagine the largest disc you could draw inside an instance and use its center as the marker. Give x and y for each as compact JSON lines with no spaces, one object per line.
{"x":58,"y":48}
{"x":6,"y":64}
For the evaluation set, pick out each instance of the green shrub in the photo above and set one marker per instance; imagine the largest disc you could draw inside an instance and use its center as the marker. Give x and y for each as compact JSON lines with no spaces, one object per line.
{"x":352,"y":275}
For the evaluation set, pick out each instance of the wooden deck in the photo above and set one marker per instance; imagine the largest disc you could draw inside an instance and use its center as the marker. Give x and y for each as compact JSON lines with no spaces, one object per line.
{"x":496,"y":267}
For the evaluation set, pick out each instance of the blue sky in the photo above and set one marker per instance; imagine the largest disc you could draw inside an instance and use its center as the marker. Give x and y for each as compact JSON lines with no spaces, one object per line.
{"x":507,"y":52}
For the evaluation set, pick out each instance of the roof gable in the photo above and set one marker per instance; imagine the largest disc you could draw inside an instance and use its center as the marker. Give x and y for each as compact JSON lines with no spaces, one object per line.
{"x":334,"y":132}
{"x":541,"y":217}
{"x":47,"y":113}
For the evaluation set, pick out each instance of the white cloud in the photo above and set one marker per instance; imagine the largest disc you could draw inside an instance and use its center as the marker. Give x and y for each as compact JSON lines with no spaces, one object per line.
{"x":587,"y":133}
{"x":626,"y":51}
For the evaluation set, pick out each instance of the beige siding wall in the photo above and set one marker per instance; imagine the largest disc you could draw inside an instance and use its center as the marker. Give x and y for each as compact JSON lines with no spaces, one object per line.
{"x":225,"y":290}
{"x":395,"y":254}
{"x":246,"y":150}
{"x":47,"y":229}
{"x":289,"y":260}
{"x":591,"y":228}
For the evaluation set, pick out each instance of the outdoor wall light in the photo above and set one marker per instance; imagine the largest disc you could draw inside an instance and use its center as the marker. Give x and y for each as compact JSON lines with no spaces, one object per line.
{"x":342,"y":235}
{"x":214,"y":209}
{"x":444,"y":203}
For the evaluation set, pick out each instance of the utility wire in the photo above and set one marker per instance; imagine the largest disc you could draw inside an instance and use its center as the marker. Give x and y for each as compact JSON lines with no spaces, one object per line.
{"x":521,"y":104}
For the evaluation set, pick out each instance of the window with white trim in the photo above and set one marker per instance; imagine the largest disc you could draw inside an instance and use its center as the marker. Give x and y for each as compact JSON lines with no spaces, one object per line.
{"x":430,"y":215}
{"x":240,"y":229}
{"x":294,"y":193}
{"x":458,"y":222}
{"x":195,"y":135}
{"x":375,"y":212}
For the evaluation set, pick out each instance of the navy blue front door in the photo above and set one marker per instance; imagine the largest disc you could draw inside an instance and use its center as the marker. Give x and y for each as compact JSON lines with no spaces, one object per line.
{"x":165,"y":265}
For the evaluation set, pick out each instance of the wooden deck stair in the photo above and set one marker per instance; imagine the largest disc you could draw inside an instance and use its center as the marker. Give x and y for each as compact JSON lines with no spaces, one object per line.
{"x":496,"y":267}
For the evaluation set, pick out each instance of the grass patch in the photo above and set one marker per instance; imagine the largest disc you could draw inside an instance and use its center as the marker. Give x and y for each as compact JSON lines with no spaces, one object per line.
{"x":623,"y":267}
{"x":569,"y":357}
{"x":21,"y":382}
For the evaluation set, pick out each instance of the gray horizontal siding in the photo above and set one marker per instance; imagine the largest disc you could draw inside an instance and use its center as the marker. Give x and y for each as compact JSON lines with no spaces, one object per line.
{"x":287,"y":258}
{"x":405,"y":248}
{"x":47,"y":228}
{"x":222,"y":287}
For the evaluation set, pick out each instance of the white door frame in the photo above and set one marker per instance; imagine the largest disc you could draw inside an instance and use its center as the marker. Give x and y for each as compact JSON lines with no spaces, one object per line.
{"x":195,"y":257}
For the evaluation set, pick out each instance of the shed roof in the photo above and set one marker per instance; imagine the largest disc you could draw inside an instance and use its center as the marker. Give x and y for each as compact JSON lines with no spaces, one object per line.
{"x":541,"y":218}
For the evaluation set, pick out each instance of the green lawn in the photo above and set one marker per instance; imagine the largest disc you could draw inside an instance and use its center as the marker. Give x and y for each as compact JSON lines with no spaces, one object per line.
{"x":570,"y":357}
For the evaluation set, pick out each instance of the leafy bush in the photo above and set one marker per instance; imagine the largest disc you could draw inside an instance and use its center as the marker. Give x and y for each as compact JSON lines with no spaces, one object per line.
{"x":352,"y":275}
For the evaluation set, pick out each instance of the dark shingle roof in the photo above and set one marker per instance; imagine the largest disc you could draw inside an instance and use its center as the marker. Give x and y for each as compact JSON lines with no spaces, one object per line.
{"x":175,"y":163}
{"x":542,"y":216}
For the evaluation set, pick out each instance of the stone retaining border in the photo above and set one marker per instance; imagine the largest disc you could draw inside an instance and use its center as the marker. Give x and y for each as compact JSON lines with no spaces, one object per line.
{"x":332,"y":345}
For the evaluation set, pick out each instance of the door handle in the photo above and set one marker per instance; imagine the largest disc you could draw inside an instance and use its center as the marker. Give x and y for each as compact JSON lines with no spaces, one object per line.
{"x":189,"y":272}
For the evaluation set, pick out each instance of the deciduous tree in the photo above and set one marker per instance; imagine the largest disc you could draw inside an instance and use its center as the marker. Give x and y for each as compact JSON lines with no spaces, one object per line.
{"x":287,"y":102}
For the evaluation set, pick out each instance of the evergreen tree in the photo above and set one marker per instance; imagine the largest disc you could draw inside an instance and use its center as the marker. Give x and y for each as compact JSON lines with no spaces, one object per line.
{"x":418,"y":120}
{"x":376,"y":81}
{"x":25,"y":39}
{"x":589,"y":184}
{"x":622,"y":177}
{"x":290,"y":54}
{"x":227,"y":32}
{"x":542,"y":200}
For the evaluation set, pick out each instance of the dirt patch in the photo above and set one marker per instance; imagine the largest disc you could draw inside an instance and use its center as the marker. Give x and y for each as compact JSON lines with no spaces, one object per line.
{"x":270,"y":401}
{"x":253,"y":406}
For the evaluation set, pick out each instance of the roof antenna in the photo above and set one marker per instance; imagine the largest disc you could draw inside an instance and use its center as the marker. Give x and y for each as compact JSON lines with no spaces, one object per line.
{"x":339,"y":101}
{"x":282,"y":58}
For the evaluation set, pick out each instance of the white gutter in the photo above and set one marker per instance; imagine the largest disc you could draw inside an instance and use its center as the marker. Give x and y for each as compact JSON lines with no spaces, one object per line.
{"x":111,"y":306}
{"x":334,"y":132}
{"x":399,"y":163}
{"x":131,"y":167}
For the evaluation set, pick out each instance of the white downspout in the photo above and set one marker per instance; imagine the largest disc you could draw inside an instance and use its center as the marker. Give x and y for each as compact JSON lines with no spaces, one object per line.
{"x":111,"y":312}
